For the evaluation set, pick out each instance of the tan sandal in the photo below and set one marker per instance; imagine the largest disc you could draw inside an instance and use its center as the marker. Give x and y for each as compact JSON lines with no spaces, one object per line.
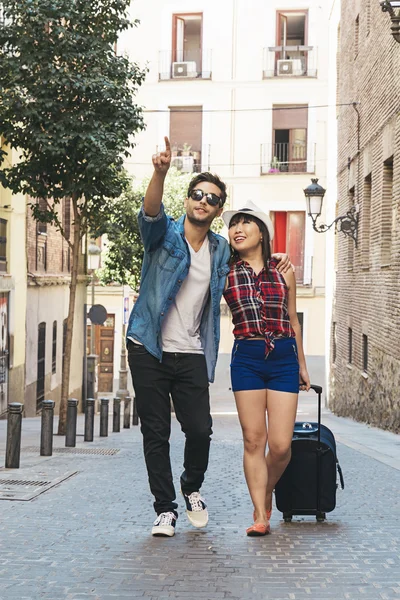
{"x":258,"y":529}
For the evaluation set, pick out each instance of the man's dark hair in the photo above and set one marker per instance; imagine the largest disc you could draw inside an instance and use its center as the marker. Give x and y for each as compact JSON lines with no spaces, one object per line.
{"x":210,"y":178}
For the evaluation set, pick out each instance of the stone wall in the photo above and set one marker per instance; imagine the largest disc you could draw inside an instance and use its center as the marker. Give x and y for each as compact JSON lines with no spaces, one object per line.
{"x":365,"y":378}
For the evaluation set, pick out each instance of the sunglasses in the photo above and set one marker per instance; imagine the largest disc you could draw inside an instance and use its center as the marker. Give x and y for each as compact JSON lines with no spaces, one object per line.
{"x":212,"y":199}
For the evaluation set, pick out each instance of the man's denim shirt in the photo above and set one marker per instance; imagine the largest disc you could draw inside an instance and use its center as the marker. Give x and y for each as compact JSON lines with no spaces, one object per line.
{"x":166,"y":263}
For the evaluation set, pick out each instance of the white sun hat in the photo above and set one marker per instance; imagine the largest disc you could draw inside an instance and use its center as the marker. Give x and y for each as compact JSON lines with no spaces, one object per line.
{"x":252,"y":209}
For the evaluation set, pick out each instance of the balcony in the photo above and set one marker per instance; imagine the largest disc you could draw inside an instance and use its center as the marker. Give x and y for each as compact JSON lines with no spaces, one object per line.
{"x":191,"y":161}
{"x":289,"y":61}
{"x":287,"y":158}
{"x":190,"y":64}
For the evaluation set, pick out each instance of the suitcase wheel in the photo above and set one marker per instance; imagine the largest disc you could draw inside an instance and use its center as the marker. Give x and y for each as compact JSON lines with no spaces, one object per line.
{"x":287,"y":517}
{"x":320,"y":516}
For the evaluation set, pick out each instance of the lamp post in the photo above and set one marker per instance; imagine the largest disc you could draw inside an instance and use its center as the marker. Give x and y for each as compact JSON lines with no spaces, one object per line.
{"x":93,"y":264}
{"x":347,"y":224}
{"x":123,"y":371}
{"x":393,"y":8}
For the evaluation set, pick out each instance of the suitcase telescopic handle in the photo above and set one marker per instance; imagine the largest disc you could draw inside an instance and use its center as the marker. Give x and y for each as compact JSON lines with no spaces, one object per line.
{"x":317,"y":389}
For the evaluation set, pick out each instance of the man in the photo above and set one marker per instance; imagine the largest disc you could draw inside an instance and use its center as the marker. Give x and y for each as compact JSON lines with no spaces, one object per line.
{"x":173,"y":336}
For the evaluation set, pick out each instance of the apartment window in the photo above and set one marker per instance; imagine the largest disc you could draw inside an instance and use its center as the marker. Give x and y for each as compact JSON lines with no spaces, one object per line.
{"x":292,"y":56}
{"x":387,"y":212}
{"x":350,"y":346}
{"x":365,"y":353}
{"x":187,"y":58}
{"x":42,"y":205}
{"x":366,"y":220}
{"x":289,"y":238}
{"x":334,"y":342}
{"x":187,"y":45}
{"x":356,"y":36}
{"x":350,"y":241}
{"x":3,"y":245}
{"x":41,"y":365}
{"x":289,"y":138}
{"x":291,"y":33}
{"x":64,"y":340}
{"x":54,"y":349}
{"x":41,"y":239}
{"x":186,"y":123}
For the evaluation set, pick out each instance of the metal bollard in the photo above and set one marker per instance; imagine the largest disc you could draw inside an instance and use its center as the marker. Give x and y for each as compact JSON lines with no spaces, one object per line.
{"x":46,"y":433}
{"x":14,"y":424}
{"x":104,"y":417}
{"x":135,"y":418}
{"x":89,"y":420}
{"x":72,"y":413}
{"x":127,"y":412}
{"x":117,"y":415}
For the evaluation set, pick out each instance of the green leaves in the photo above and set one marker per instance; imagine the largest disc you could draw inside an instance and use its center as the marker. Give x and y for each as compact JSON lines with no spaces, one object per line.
{"x":66,"y":99}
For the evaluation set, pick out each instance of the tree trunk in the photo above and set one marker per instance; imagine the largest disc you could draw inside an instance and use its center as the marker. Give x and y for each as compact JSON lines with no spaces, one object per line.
{"x":76,"y":242}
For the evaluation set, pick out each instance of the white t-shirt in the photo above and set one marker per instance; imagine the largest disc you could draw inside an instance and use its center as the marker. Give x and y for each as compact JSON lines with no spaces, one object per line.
{"x":180,"y":330}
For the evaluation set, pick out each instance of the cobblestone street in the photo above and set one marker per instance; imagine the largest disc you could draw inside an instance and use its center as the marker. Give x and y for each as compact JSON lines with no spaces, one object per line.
{"x":89,"y":537}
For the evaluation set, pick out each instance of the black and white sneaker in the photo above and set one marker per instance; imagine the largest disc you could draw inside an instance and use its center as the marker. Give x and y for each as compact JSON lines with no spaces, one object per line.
{"x":164,"y":525}
{"x":196,"y":509}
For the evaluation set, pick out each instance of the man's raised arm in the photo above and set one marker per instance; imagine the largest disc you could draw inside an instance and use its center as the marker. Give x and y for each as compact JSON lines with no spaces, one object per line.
{"x":154,"y":192}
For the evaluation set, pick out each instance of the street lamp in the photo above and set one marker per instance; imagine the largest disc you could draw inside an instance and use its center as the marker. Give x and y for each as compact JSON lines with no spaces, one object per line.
{"x":347,"y":224}
{"x":393,"y":8}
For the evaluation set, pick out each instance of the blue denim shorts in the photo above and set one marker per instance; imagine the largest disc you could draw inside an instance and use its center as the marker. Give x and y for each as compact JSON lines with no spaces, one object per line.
{"x":250,"y":370}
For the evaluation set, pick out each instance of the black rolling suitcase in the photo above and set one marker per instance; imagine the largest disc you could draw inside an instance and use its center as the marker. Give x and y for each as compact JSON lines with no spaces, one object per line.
{"x":308,"y":485}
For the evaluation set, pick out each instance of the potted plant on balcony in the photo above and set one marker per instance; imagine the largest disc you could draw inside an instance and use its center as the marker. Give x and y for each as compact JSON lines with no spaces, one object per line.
{"x":275,"y":164}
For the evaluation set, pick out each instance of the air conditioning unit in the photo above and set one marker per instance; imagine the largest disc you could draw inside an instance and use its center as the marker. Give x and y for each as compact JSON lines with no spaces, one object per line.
{"x":183,"y":163}
{"x":290,"y":67}
{"x":184,"y":69}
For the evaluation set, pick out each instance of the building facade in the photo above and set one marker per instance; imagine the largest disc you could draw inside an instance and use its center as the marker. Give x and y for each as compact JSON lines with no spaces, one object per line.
{"x":34,"y":293}
{"x":48,"y":259}
{"x":242,"y":90}
{"x":13,"y":281}
{"x":365,"y":346}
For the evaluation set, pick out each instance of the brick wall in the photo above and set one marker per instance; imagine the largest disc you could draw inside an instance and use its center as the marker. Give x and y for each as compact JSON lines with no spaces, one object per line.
{"x":48,"y":251}
{"x":368,"y":279}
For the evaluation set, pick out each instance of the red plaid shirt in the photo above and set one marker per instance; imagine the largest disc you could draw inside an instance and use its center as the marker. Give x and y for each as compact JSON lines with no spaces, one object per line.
{"x":258,"y":303}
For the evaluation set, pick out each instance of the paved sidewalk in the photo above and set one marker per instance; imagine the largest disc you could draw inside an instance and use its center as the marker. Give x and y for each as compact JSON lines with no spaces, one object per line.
{"x":89,"y":537}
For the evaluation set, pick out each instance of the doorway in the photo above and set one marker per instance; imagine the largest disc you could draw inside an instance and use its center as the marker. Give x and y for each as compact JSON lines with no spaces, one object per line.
{"x":104,"y":348}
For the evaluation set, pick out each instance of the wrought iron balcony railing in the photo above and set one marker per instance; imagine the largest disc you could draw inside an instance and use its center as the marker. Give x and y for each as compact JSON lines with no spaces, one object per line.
{"x":290,"y":61}
{"x":181,"y":65}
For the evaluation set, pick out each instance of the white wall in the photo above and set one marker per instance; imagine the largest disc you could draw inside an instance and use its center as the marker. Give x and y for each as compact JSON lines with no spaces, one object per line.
{"x":237,"y":103}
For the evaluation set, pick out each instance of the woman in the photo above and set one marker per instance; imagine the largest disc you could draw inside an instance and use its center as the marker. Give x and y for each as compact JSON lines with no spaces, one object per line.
{"x":268,"y":360}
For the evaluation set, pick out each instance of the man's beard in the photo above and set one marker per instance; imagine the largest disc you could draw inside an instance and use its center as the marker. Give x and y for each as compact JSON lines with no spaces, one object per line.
{"x":200,"y":223}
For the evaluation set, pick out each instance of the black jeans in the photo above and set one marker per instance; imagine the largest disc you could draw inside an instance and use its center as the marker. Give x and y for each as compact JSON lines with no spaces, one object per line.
{"x":184,"y":378}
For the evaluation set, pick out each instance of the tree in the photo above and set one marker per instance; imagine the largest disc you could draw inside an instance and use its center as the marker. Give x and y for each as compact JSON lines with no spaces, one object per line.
{"x":123,"y":262}
{"x":67,"y":105}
